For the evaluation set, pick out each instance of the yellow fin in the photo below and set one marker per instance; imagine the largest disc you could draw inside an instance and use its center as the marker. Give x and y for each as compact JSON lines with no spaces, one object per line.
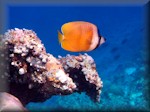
{"x":60,"y":37}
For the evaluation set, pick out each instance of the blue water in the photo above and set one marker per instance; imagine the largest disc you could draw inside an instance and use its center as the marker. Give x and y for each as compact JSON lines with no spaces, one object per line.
{"x":121,"y":62}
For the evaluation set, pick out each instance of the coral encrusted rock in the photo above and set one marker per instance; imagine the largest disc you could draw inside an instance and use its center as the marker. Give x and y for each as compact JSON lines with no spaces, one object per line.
{"x":34,"y":75}
{"x":82,"y":70}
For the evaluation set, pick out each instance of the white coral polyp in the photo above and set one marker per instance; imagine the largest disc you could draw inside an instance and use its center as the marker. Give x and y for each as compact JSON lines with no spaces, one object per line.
{"x":21,"y":71}
{"x":61,"y":76}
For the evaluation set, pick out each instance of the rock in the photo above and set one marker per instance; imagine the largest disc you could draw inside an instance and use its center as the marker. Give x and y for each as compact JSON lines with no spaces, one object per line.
{"x":35,"y":75}
{"x":9,"y":102}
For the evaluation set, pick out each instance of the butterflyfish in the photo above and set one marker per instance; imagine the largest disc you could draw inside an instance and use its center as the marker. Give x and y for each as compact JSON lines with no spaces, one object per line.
{"x":79,"y":36}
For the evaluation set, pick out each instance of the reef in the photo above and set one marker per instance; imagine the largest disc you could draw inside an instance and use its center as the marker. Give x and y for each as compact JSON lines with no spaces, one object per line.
{"x":34,"y":75}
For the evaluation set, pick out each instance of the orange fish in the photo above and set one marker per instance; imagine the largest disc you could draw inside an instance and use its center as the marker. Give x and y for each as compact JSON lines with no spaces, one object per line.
{"x":79,"y":36}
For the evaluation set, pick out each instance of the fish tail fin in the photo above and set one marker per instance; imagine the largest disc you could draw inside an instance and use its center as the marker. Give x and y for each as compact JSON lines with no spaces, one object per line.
{"x":60,"y":37}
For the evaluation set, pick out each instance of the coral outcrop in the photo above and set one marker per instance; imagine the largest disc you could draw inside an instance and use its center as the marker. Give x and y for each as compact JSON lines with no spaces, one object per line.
{"x":82,"y":70}
{"x":34,"y":75}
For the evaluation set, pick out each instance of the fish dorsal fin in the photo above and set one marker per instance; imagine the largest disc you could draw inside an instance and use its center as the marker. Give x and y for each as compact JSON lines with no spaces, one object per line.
{"x":60,"y":37}
{"x":66,"y":28}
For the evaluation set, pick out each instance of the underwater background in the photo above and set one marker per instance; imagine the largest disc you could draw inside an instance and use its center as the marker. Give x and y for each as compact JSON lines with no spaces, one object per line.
{"x":121,"y":61}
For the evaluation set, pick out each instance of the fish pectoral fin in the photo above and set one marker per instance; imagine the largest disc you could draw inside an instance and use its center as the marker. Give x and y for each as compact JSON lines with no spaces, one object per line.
{"x":60,"y":37}
{"x":89,"y":42}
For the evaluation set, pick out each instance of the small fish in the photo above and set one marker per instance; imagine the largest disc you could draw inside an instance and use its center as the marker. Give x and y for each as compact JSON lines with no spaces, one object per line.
{"x":79,"y":36}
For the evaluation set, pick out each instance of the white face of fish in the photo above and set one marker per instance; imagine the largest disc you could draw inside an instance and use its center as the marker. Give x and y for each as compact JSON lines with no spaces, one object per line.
{"x":95,"y":39}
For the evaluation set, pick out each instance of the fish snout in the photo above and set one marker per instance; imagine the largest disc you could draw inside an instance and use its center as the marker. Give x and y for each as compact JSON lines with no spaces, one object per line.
{"x":102,"y":40}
